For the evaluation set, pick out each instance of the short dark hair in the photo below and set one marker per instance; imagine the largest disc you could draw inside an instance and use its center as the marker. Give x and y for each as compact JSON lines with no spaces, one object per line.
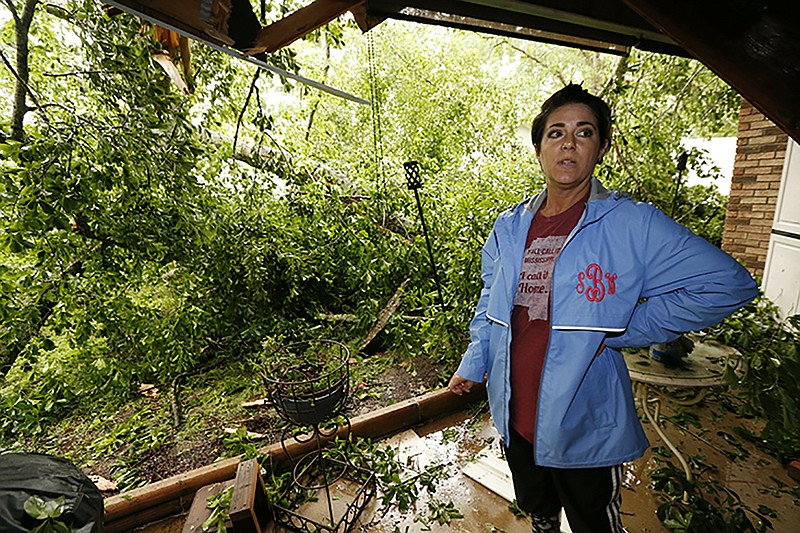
{"x":573,"y":94}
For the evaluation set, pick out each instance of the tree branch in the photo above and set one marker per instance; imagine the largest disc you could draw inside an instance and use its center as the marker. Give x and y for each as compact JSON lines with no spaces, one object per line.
{"x":324,"y":80}
{"x":58,"y":11}
{"x":13,"y":10}
{"x":83,"y":72}
{"x":265,"y":133}
{"x":539,"y":62}
{"x":14,"y":73}
{"x":682,"y":92}
{"x":244,"y":107}
{"x":617,"y":77}
{"x":246,"y":152}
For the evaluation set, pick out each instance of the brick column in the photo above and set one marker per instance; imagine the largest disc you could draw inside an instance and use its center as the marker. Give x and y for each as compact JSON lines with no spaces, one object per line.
{"x":760,"y":153}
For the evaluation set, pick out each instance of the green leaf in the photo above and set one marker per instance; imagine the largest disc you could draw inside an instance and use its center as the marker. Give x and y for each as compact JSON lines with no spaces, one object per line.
{"x":61,"y":527}
{"x":768,"y":511}
{"x":55,"y":508}
{"x":44,"y":527}
{"x":35,"y":507}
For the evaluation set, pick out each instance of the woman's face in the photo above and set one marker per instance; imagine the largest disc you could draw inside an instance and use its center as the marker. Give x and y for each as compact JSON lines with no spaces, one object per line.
{"x":570,"y":147}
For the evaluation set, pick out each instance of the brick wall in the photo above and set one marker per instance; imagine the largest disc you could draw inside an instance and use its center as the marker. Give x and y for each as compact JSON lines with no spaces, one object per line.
{"x":760,"y":152}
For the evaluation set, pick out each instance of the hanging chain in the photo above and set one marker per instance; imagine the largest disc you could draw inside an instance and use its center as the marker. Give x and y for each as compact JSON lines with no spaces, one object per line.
{"x":377,"y":134}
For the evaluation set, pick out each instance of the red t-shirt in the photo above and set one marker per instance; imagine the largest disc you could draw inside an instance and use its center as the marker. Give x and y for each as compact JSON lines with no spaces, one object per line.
{"x":530,"y":320}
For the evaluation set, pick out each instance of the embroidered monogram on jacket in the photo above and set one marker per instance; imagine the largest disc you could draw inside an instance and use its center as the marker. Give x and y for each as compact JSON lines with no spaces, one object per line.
{"x":596,"y":284}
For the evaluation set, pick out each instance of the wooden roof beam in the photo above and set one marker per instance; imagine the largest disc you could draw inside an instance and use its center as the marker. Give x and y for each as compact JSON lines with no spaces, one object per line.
{"x":364,"y":19}
{"x":299,"y":24}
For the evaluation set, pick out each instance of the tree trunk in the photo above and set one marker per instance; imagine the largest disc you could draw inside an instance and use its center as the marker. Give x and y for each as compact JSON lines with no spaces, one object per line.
{"x":22,"y":27}
{"x":616,"y":79}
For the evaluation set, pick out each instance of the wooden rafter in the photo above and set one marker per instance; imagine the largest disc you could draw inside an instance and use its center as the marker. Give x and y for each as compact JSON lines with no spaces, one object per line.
{"x":365,"y":20}
{"x":299,"y":24}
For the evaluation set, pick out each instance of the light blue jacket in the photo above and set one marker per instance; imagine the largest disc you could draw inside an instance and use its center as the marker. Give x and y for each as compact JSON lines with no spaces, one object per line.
{"x":620,"y":253}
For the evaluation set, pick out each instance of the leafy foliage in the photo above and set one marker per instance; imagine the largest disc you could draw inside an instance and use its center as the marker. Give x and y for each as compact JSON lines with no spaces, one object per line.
{"x":771,"y":385}
{"x":440,"y":512}
{"x":239,"y":443}
{"x":701,"y":505}
{"x":47,"y":513}
{"x":400,"y":487}
{"x":648,"y":137}
{"x":219,"y":504}
{"x":109,"y":208}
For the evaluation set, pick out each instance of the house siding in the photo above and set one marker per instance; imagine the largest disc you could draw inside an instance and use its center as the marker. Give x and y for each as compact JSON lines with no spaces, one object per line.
{"x":760,"y":154}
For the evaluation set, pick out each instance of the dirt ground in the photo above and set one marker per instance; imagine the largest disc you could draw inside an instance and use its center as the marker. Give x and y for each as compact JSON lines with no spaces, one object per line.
{"x":395,"y":383}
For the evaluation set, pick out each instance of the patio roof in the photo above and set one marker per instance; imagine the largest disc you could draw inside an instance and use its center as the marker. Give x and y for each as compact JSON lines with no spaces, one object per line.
{"x":754,"y":45}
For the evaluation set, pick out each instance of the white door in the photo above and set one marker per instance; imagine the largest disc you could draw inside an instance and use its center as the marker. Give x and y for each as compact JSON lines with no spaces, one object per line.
{"x":781,"y":282}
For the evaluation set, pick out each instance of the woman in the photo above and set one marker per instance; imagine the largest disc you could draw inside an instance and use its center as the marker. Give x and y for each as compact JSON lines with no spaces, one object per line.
{"x":571,"y":276}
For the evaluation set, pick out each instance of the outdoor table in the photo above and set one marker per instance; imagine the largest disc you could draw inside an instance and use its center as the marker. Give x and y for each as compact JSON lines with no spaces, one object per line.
{"x":694,"y":374}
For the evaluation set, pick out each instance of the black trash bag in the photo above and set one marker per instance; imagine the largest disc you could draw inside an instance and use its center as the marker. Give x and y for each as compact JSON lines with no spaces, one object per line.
{"x":23,"y":475}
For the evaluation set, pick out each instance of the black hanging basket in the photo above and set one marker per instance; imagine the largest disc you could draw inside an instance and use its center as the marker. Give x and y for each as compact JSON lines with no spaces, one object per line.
{"x":309,"y":381}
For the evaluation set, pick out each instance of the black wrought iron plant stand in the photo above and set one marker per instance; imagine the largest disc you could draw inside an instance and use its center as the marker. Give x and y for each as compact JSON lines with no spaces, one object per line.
{"x":309,"y":388}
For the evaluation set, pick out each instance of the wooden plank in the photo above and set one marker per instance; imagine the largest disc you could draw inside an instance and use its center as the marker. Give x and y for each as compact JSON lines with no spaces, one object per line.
{"x":442,"y":402}
{"x":199,"y":511}
{"x":383,"y":317}
{"x":364,"y":20}
{"x":151,"y":513}
{"x":183,"y":15}
{"x":264,"y":402}
{"x":491,"y":470}
{"x":168,"y":489}
{"x":215,"y":38}
{"x":573,"y":23}
{"x":299,"y":24}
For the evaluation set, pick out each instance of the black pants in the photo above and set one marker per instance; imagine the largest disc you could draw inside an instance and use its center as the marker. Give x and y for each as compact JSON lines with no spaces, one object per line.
{"x":590,"y":497}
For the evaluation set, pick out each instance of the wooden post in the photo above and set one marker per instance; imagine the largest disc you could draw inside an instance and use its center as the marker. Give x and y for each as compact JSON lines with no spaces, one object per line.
{"x":249,"y":505}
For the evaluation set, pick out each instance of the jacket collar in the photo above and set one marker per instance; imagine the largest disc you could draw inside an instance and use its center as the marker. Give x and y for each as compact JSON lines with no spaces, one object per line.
{"x":512,"y":225}
{"x":595,"y":208}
